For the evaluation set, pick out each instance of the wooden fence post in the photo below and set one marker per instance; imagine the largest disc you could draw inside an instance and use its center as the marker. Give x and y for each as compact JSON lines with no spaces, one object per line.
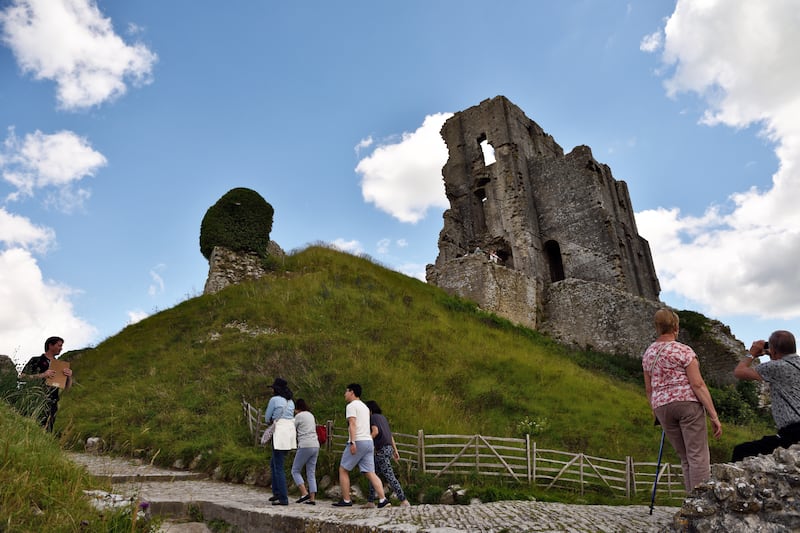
{"x":421,"y":451}
{"x":329,"y":436}
{"x":528,"y":456}
{"x":630,"y":477}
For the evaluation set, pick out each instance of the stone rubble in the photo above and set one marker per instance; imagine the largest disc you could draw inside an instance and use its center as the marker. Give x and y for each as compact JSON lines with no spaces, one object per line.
{"x":758,"y":494}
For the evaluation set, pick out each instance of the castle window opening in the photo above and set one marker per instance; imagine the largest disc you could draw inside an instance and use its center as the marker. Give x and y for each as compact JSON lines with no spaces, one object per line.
{"x":487,"y":150}
{"x":553,"y":253}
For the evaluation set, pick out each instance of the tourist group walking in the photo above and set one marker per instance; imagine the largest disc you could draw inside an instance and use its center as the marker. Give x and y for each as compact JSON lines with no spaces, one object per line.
{"x":370,"y":446}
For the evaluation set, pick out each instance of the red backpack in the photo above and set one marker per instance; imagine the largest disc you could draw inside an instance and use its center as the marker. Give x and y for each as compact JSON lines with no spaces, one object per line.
{"x":322,"y":434}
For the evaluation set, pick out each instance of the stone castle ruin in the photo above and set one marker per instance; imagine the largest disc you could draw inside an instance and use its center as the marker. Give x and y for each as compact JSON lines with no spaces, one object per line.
{"x":544,"y":239}
{"x":547,"y":240}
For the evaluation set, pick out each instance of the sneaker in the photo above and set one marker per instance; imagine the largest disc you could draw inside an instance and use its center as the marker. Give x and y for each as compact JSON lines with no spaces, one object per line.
{"x":310,"y":502}
{"x":342,"y":503}
{"x":278,"y":502}
{"x":302,"y":499}
{"x":384,"y":503}
{"x":274,"y":498}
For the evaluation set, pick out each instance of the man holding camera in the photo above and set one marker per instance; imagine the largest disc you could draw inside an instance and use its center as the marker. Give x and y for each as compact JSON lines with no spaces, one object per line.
{"x":782,"y":372}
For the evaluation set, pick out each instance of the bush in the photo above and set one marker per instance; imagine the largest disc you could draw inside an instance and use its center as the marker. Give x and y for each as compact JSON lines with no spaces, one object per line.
{"x":241,"y":221}
{"x":738,"y":405}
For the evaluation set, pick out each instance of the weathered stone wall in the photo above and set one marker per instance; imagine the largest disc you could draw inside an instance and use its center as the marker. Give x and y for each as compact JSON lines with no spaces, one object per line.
{"x":591,"y":315}
{"x":226,"y":267}
{"x":547,"y":215}
{"x":492,"y":206}
{"x":504,"y":291}
{"x":758,"y":494}
{"x":589,"y":214}
{"x":717,"y":350}
{"x":572,"y":263}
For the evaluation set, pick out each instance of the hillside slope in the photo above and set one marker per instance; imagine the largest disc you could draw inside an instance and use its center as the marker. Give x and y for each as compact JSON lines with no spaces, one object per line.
{"x":170,"y":386}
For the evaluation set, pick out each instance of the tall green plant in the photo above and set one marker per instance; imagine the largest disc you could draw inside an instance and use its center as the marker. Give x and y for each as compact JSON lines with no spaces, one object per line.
{"x":41,"y":490}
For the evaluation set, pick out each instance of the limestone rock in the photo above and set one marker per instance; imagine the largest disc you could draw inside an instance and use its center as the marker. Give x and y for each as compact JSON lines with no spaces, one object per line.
{"x":226,"y":267}
{"x":8,"y":375}
{"x":7,"y":367}
{"x":757,"y":494}
{"x":94,"y":445}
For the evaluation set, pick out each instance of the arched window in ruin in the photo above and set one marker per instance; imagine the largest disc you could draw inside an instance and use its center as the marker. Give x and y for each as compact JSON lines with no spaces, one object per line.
{"x":553,"y":253}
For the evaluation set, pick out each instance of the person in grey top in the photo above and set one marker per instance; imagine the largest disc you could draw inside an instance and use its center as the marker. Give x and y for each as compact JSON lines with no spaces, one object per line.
{"x":782,"y":372}
{"x":307,"y":452}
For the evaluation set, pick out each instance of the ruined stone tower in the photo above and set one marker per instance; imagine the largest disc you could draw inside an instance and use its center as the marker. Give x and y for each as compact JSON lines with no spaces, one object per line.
{"x":569,"y":258}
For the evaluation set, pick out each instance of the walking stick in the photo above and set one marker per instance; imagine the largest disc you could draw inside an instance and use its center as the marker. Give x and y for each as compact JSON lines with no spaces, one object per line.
{"x":658,"y":471}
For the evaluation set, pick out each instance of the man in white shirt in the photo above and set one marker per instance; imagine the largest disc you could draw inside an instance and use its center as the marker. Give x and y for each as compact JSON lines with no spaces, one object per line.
{"x":360,"y":448}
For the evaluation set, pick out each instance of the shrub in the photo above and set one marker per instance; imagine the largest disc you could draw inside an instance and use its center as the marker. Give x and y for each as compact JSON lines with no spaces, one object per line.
{"x":531,"y":426}
{"x":738,"y":405}
{"x":241,"y":221}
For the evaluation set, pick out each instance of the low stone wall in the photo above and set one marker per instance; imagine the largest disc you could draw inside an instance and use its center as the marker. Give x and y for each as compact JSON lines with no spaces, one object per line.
{"x":592,"y":315}
{"x":758,"y":494}
{"x":495,"y":288}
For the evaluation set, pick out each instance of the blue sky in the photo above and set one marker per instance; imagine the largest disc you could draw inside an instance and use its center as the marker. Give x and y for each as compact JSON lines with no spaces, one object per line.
{"x":121,"y":123}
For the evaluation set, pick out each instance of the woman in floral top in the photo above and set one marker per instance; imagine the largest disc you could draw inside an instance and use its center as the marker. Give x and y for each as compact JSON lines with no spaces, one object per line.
{"x":679,"y":398}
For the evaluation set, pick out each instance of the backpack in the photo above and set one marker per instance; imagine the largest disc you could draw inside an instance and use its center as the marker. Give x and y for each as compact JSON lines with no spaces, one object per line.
{"x":322,"y":434}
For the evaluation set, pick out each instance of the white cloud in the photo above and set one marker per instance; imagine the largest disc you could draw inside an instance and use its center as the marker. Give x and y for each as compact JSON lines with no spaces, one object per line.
{"x":363,"y":144}
{"x":136,"y":315}
{"x":18,"y":231}
{"x":740,"y":56}
{"x":40,"y":309}
{"x":353,"y":247}
{"x":383,"y":246}
{"x":404,"y":179}
{"x":36,"y":308}
{"x":414,"y":270}
{"x":652,"y":42}
{"x":73,"y":44}
{"x":157,"y":286}
{"x":58,"y":160}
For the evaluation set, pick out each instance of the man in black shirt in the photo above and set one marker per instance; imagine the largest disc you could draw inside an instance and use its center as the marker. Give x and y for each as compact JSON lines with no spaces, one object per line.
{"x":38,"y":368}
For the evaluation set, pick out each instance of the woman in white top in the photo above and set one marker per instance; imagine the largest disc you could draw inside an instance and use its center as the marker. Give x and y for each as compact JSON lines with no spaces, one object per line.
{"x":307,"y":452}
{"x":280,"y":409}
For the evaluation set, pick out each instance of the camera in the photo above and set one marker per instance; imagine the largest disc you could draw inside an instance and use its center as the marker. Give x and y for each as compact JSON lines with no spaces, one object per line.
{"x":766,"y":346}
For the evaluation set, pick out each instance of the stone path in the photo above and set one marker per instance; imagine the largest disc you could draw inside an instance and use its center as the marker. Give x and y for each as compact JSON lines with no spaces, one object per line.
{"x":178,"y":494}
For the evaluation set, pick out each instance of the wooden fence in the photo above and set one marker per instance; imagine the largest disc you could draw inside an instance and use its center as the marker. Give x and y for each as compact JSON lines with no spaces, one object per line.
{"x":514,"y":459}
{"x":522,"y":461}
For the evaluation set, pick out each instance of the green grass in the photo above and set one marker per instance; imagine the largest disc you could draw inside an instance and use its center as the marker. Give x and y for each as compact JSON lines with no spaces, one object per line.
{"x":169,"y":387}
{"x":40,"y":490}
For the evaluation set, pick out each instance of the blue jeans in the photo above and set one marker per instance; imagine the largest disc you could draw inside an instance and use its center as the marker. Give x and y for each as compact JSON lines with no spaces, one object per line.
{"x":279,"y":487}
{"x":306,"y":457}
